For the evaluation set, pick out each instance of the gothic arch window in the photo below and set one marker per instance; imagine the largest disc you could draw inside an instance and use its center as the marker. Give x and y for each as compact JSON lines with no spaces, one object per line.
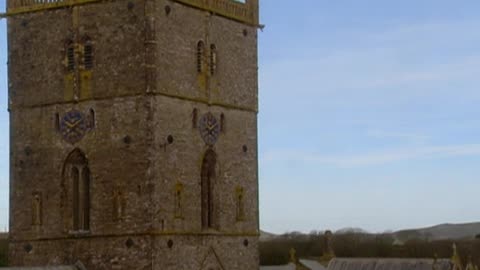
{"x":77,"y":181}
{"x":200,"y":56}
{"x":213,"y":59}
{"x":222,"y":122}
{"x":207,"y":185}
{"x":91,"y":119}
{"x":56,"y":121}
{"x":194,"y":118}
{"x":70,"y":55}
{"x":87,"y":53}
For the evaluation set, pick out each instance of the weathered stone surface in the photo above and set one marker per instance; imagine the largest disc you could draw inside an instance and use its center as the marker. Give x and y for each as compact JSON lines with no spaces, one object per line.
{"x":142,"y":144}
{"x":42,"y":268}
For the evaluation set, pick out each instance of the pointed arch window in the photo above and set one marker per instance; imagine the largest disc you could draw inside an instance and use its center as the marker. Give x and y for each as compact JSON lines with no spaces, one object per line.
{"x":70,"y":55}
{"x":200,"y":56}
{"x":208,"y":176}
{"x":213,"y":59}
{"x":87,"y":53}
{"x":77,"y":180}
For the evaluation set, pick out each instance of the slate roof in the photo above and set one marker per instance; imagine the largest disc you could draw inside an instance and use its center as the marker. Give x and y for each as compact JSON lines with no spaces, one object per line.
{"x":388,"y":264}
{"x":289,"y":266}
{"x":312,"y":265}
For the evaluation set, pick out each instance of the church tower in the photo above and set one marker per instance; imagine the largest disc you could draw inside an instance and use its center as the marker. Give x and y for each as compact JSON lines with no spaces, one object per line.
{"x":133,"y":134}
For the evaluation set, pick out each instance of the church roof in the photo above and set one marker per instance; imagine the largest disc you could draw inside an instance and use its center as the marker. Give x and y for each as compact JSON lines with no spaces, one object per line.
{"x":388,"y":264}
{"x":312,"y":265}
{"x":289,"y":266}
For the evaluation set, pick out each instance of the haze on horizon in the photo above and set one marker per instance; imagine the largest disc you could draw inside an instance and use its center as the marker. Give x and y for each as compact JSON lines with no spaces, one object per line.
{"x":368,"y":114}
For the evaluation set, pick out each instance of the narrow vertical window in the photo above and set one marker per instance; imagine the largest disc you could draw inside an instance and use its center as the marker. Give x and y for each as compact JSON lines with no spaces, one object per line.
{"x":207,"y":189}
{"x":77,"y":182}
{"x":222,"y":122}
{"x":179,"y":200}
{"x":70,"y":56}
{"x":37,"y":209}
{"x":194,"y":118}
{"x":57,"y":122}
{"x":119,"y":204}
{"x":87,"y":53}
{"x":85,"y":195}
{"x":91,"y":119}
{"x":76,"y":200}
{"x":240,"y":204}
{"x":213,"y":59}
{"x":200,"y":56}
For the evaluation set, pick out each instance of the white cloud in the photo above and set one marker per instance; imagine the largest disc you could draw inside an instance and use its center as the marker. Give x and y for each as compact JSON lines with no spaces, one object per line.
{"x":372,"y":158}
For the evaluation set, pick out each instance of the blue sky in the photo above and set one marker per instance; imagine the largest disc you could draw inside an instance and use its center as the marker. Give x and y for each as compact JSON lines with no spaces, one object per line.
{"x":368,"y":114}
{"x":4,"y":135}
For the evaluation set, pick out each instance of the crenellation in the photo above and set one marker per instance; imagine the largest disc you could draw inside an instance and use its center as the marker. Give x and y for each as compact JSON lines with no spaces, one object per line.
{"x":233,"y":9}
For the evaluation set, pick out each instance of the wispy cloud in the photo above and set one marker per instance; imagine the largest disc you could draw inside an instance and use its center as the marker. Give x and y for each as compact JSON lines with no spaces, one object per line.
{"x":411,"y":137}
{"x":373,"y":158}
{"x":400,"y":63}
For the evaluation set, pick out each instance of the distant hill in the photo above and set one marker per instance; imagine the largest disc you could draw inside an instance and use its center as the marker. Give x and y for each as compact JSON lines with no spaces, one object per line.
{"x":265,"y":236}
{"x":438,"y":232}
{"x":350,"y":230}
{"x":441,"y":232}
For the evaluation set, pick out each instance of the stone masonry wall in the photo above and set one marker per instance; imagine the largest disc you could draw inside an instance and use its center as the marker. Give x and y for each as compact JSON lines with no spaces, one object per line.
{"x":235,"y":81}
{"x":142,"y":144}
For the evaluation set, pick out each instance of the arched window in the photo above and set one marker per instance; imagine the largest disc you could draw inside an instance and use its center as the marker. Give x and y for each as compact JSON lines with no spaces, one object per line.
{"x":70,"y":55}
{"x":87,"y":53}
{"x":91,"y":119}
{"x":222,"y":122}
{"x":213,"y":59}
{"x":200,"y":56}
{"x":194,"y":118}
{"x":56,"y":121}
{"x":77,"y":181}
{"x":208,"y":178}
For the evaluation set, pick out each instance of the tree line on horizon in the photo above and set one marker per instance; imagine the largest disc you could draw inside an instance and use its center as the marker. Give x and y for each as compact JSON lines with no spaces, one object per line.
{"x":275,"y":251}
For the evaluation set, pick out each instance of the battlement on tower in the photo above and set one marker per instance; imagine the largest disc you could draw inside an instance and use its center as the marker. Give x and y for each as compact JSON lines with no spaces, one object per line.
{"x":244,"y":11}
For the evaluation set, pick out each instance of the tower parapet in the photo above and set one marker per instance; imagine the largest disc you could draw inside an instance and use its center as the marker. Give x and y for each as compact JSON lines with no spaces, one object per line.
{"x":244,"y":11}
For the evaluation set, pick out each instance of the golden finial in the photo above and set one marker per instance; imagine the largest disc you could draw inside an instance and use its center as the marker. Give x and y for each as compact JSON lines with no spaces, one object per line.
{"x":293,"y":255}
{"x":457,"y":263}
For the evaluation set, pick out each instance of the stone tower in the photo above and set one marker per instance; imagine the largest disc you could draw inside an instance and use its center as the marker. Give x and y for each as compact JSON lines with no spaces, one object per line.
{"x":134,"y":134}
